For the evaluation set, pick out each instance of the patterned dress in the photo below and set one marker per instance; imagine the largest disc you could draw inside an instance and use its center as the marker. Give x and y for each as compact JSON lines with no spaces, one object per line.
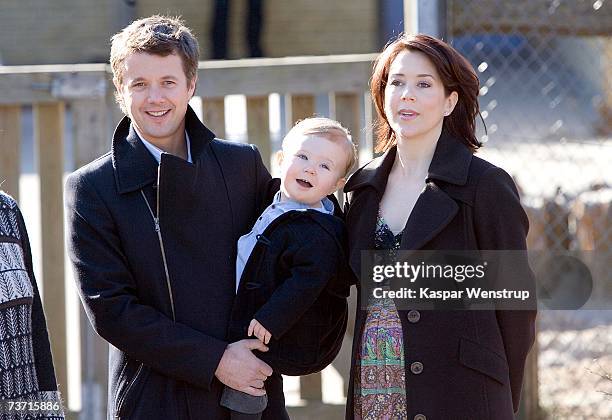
{"x":380,"y":386}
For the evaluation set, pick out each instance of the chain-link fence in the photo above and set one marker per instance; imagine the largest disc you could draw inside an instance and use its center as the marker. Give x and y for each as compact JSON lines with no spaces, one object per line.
{"x":545,"y":69}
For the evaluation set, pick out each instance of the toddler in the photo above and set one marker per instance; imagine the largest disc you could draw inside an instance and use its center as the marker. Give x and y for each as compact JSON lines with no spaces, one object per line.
{"x":291,"y":271}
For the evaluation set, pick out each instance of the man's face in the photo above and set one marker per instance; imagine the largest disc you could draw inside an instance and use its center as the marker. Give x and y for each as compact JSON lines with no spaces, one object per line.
{"x":155,"y":93}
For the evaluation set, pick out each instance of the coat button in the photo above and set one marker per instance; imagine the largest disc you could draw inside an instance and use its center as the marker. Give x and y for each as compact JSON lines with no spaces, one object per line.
{"x":414,"y":316}
{"x":420,"y":417}
{"x":416,"y":367}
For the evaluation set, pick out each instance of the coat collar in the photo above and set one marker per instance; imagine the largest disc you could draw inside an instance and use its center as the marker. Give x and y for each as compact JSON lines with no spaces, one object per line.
{"x":432,"y":212}
{"x":450,"y":163}
{"x":133,"y":164}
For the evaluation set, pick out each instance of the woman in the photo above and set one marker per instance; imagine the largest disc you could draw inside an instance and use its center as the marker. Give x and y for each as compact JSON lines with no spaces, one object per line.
{"x":428,"y":192}
{"x":26,"y":366}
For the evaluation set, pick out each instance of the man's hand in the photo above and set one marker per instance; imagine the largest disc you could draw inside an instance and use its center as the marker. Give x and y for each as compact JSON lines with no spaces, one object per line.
{"x":241,"y":370}
{"x":260,"y":332}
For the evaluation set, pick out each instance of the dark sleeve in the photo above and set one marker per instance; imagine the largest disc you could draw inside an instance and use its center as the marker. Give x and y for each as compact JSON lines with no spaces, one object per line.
{"x":337,"y":207}
{"x":351,"y":278}
{"x":108,"y":292}
{"x":314,"y":264}
{"x":43,"y":359}
{"x":346,"y":206}
{"x":265,"y":185}
{"x":502,"y":224}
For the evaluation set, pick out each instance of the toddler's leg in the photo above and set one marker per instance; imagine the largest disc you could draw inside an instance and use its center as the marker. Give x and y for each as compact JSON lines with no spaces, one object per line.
{"x":243,"y":406}
{"x":234,"y":415}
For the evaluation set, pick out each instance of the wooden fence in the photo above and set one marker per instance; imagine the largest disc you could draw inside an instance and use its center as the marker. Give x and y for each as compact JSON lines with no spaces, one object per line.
{"x":85,"y":92}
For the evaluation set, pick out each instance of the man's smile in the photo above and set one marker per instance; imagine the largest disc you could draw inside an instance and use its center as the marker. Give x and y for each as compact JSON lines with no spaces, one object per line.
{"x":157,"y":113}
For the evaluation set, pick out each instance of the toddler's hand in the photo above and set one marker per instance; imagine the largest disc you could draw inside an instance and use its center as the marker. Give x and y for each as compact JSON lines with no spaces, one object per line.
{"x":259,"y":331}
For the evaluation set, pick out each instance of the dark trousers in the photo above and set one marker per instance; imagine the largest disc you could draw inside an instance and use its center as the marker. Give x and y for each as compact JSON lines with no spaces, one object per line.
{"x":243,"y":406}
{"x":254,"y":24}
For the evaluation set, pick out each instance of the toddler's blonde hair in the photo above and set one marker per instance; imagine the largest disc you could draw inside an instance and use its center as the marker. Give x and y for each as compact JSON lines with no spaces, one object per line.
{"x":329,"y":129}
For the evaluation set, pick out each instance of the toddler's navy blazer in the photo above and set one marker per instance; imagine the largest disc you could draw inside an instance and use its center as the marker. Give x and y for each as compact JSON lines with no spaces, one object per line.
{"x":473,"y":361}
{"x":295,"y":283}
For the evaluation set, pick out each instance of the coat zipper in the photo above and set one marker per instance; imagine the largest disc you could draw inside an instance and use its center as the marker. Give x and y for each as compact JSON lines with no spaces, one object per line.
{"x":163,"y":252}
{"x":127,"y":390}
{"x":161,"y":244}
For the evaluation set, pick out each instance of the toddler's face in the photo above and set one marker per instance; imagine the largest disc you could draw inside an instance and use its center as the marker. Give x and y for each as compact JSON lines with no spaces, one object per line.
{"x":312,"y":167}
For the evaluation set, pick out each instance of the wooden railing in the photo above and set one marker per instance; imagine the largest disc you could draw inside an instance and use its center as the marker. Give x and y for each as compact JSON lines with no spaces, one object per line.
{"x":85,"y":92}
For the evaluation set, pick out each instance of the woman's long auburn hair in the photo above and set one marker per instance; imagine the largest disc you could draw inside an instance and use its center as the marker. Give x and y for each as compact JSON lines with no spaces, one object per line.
{"x":457,"y":75}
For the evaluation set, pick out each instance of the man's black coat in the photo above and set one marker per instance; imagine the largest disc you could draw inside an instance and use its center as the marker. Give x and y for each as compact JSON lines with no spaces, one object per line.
{"x":295,"y":283}
{"x":167,"y":330}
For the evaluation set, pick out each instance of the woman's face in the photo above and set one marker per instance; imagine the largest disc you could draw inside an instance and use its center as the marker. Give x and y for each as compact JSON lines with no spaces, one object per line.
{"x":415,"y":102}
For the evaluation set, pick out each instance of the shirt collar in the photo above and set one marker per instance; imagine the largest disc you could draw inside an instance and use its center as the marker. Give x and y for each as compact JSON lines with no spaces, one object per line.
{"x":326,"y":204}
{"x":134,"y":166}
{"x":157,"y":152}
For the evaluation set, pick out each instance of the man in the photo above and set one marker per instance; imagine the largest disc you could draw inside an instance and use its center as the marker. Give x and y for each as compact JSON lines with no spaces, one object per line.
{"x":153,"y":226}
{"x":253,"y":28}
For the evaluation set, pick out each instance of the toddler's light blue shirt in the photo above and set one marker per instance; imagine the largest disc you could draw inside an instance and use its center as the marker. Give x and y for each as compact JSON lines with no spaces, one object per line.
{"x":247,"y":242}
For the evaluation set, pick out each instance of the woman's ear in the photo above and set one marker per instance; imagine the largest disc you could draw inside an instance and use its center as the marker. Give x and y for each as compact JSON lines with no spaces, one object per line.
{"x":451,"y":101}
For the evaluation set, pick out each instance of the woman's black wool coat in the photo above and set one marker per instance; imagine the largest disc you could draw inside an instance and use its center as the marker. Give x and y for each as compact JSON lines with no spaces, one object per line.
{"x":472,"y":361}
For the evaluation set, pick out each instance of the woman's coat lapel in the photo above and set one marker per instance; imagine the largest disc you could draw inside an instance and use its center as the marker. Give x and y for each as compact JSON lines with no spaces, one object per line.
{"x":433,"y":211}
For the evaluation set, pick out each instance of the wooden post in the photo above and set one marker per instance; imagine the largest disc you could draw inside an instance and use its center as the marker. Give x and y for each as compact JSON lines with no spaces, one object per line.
{"x":311,"y":388}
{"x":94,"y":371}
{"x":346,"y":108}
{"x":410,"y":16}
{"x":10,"y":141}
{"x":258,"y":127}
{"x":48,"y":134}
{"x":298,"y":107}
{"x":605,"y":108}
{"x":112,"y":107}
{"x":366,"y":149}
{"x":348,"y":112}
{"x":214,"y":115}
{"x":342,"y":362}
{"x":90,"y":130}
{"x":91,"y":139}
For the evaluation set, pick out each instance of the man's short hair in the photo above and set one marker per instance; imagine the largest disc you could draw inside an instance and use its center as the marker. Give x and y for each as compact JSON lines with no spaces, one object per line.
{"x":159,"y":35}
{"x":329,"y":129}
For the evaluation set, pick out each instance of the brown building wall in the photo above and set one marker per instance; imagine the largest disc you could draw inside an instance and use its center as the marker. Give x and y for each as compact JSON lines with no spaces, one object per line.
{"x":56,"y":31}
{"x":78,"y":31}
